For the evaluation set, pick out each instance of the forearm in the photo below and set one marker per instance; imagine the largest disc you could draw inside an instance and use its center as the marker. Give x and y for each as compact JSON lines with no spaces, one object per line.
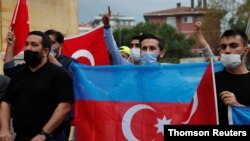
{"x":207,"y":53}
{"x":200,"y":39}
{"x":53,"y":60}
{"x":57,"y":118}
{"x":9,"y":53}
{"x":113,"y":48}
{"x":4,"y":117}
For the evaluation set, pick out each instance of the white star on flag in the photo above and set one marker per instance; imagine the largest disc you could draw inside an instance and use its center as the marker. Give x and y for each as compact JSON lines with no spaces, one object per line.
{"x":161,"y":123}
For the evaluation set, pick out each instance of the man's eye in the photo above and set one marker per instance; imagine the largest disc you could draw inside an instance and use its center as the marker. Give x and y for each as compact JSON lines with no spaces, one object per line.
{"x":234,"y":45}
{"x":144,"y":48}
{"x":223,"y":47}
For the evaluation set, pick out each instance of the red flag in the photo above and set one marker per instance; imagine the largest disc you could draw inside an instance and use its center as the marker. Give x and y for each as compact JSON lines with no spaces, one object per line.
{"x":203,"y":109}
{"x":20,"y":25}
{"x":89,"y":48}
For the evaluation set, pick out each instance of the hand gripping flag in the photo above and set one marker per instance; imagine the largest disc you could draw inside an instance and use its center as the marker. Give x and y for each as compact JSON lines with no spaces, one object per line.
{"x":89,"y":48}
{"x":239,"y":115}
{"x":20,"y":25}
{"x":135,"y":102}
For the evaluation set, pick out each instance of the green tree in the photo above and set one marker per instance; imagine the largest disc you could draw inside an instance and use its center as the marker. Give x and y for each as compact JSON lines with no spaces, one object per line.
{"x":176,"y":44}
{"x":240,"y":20}
{"x":215,"y":20}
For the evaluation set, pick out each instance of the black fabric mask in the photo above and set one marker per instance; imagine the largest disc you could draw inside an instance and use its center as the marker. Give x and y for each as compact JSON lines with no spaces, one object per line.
{"x":32,"y":58}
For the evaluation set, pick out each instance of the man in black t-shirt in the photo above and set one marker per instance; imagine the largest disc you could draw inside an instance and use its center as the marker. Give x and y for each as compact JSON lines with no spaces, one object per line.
{"x":35,"y":98}
{"x":232,"y":83}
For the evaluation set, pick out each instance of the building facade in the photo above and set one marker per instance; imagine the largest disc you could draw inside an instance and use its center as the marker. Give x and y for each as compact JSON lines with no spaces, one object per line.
{"x":116,"y":21}
{"x":181,"y":18}
{"x":61,"y":15}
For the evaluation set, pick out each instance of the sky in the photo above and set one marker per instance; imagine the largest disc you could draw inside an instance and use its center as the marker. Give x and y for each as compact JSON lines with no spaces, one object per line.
{"x":88,"y":9}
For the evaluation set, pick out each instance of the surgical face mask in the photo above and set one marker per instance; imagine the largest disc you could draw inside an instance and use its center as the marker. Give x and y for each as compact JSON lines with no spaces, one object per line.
{"x":32,"y":59}
{"x":53,"y":52}
{"x":231,"y":61}
{"x":135,"y":54}
{"x":149,"y":58}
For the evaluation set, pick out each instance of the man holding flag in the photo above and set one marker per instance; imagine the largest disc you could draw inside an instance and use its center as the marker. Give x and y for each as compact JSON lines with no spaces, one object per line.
{"x":19,"y":26}
{"x":232,"y":83}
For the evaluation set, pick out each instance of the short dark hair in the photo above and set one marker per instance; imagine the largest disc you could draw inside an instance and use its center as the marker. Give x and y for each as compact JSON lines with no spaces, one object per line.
{"x":59,"y":36}
{"x":46,"y":42}
{"x":136,"y":37}
{"x":235,"y":32}
{"x":152,"y":36}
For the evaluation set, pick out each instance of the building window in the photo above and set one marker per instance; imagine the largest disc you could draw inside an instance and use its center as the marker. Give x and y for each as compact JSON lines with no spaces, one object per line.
{"x":188,"y":19}
{"x":171,"y":21}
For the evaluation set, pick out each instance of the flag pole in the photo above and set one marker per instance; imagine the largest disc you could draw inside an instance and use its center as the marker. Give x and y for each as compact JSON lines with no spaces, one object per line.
{"x":215,"y":92}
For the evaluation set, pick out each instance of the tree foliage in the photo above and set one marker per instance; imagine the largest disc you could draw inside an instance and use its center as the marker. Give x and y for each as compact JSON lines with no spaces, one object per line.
{"x":215,"y":21}
{"x":176,"y":44}
{"x":242,"y":16}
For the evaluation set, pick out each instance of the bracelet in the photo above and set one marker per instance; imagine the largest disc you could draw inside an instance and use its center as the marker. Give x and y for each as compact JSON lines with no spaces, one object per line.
{"x":44,"y":133}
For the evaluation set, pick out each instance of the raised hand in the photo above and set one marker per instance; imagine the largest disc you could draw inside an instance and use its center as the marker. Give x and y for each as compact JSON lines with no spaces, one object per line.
{"x":106,"y":17}
{"x":10,"y":38}
{"x":197,"y":26}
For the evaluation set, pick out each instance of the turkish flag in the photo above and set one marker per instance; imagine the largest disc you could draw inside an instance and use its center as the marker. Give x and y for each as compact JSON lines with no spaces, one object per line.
{"x":89,"y":48}
{"x":20,"y":25}
{"x":203,"y":108}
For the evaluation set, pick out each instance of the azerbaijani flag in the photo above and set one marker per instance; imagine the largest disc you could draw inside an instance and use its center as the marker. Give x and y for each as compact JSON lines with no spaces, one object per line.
{"x":239,"y":115}
{"x":135,"y":102}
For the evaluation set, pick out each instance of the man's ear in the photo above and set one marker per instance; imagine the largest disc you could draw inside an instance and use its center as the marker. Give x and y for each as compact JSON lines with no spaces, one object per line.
{"x":46,"y":52}
{"x":162,"y":53}
{"x":246,"y":50}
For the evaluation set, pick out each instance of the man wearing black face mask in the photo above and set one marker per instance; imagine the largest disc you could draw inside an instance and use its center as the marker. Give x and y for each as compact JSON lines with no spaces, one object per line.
{"x":35,"y":98}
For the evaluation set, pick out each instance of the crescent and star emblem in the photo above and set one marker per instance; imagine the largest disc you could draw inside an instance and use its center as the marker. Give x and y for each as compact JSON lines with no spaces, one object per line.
{"x":84,"y":53}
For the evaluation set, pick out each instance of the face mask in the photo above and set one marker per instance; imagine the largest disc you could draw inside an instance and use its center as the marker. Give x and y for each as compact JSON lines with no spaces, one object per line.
{"x":32,"y":58}
{"x":53,"y":52}
{"x":231,"y":61}
{"x":135,"y":54}
{"x":149,"y":58}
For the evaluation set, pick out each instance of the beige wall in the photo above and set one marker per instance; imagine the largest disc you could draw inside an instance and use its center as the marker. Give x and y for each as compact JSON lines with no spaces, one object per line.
{"x":61,"y":15}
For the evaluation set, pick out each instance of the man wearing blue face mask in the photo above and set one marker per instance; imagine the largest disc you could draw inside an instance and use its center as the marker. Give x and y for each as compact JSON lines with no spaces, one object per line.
{"x":232,"y":83}
{"x":149,"y":54}
{"x":151,"y":49}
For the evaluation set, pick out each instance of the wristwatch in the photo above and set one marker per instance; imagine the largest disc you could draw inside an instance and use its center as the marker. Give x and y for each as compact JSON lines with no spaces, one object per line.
{"x":44,"y":133}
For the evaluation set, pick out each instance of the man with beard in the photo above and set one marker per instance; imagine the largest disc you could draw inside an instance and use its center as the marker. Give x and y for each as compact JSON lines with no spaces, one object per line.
{"x":39,"y":95}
